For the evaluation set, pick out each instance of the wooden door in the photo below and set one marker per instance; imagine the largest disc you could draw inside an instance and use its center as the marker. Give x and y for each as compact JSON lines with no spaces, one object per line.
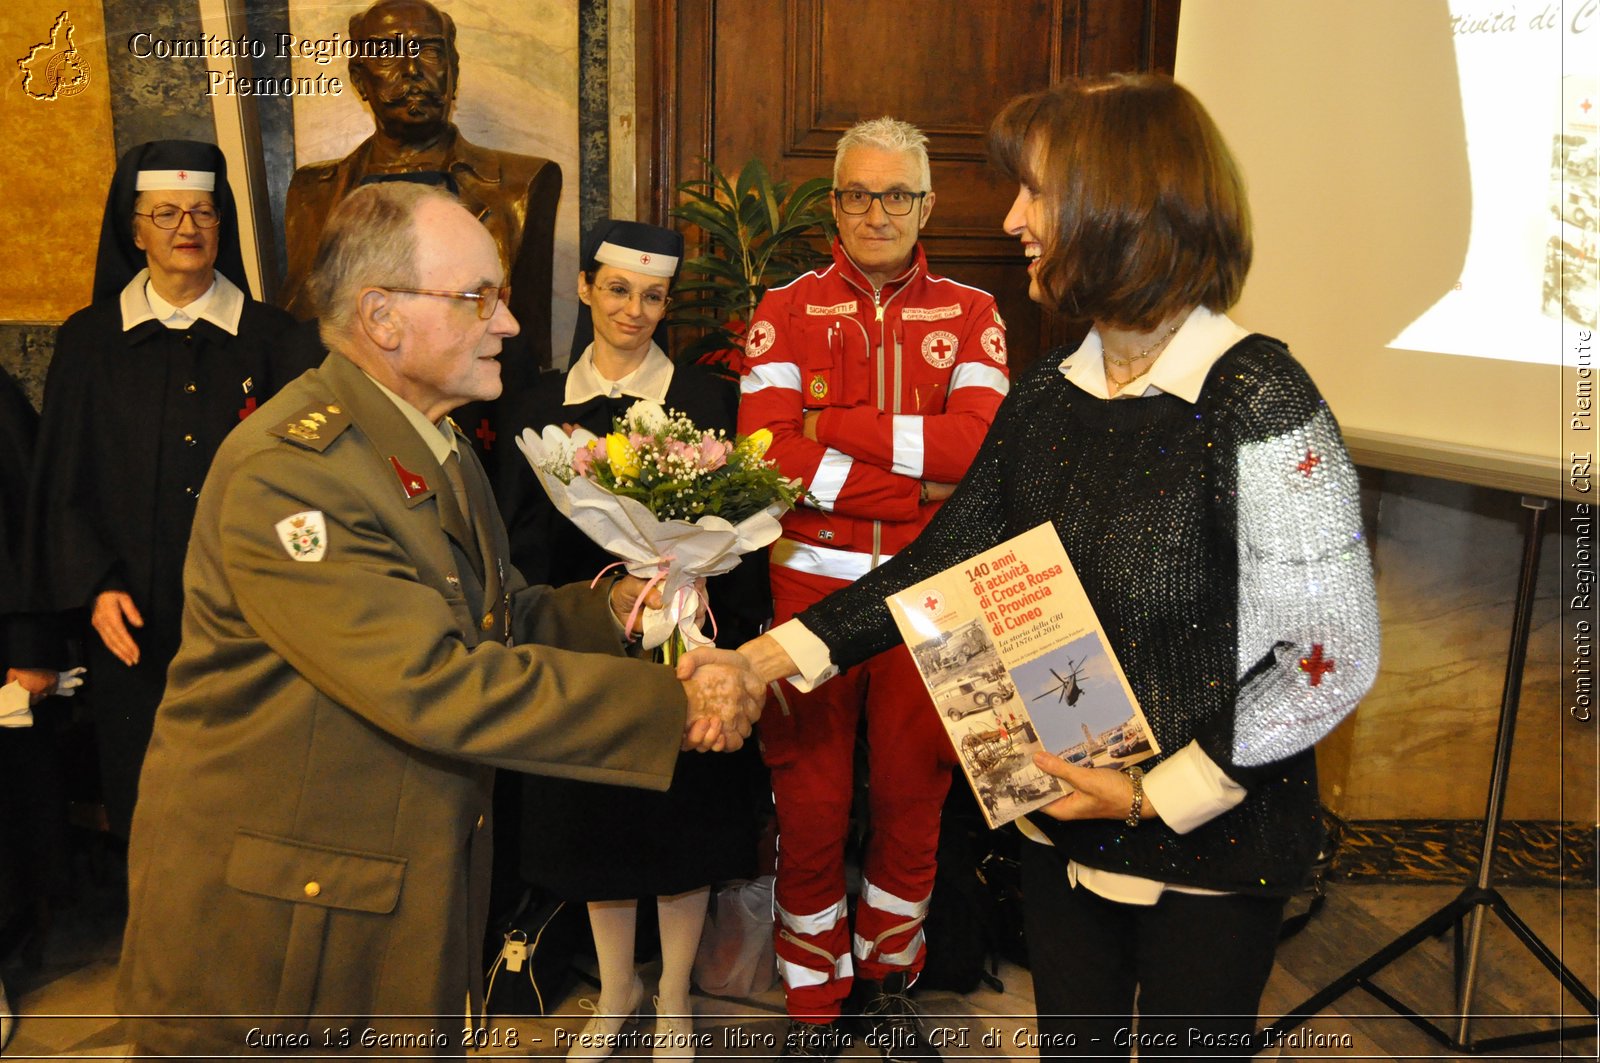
{"x":779,"y":80}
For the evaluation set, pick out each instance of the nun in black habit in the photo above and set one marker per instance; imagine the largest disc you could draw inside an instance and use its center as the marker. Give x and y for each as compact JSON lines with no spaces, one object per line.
{"x":611,"y":845}
{"x":145,"y":383}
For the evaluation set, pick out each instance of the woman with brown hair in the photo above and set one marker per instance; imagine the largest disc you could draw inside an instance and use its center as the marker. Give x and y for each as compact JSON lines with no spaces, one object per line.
{"x":1205,"y":497}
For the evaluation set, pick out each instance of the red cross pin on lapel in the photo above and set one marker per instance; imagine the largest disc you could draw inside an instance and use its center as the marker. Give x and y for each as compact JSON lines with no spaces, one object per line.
{"x":1316,"y":665}
{"x":411,"y":483}
{"x":1309,"y":462}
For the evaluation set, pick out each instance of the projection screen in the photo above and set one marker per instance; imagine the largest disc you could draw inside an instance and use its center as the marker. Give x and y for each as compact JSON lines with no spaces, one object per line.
{"x":1422,"y":180}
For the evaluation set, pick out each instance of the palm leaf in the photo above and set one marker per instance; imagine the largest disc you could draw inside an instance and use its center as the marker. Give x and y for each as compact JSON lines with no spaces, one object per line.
{"x":758,"y":233}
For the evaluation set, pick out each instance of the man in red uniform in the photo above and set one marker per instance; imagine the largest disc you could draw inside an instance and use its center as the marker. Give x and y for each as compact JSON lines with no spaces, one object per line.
{"x":878,"y":380}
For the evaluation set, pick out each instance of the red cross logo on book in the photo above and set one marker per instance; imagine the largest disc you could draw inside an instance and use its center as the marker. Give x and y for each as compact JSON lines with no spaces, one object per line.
{"x":486,"y":434}
{"x":1309,"y":462}
{"x":1316,"y":665}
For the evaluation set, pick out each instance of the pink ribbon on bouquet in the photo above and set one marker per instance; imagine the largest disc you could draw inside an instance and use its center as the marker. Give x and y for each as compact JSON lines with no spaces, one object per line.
{"x":663,"y":569}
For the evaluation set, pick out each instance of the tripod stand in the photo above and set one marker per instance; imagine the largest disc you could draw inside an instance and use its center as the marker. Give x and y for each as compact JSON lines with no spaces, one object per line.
{"x":1467,"y":911}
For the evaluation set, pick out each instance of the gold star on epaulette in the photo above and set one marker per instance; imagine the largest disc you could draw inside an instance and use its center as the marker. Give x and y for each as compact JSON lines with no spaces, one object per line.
{"x":314,"y":427}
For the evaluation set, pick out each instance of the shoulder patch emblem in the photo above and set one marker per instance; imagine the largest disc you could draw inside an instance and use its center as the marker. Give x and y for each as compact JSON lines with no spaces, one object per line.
{"x":832,"y":311}
{"x":993,"y":343}
{"x":759,"y":339}
{"x":939,"y":349}
{"x":304,"y":535}
{"x":932,"y":313}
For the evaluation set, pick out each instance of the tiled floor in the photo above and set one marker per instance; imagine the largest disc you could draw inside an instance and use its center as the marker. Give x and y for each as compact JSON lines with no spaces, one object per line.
{"x":65,"y":1007}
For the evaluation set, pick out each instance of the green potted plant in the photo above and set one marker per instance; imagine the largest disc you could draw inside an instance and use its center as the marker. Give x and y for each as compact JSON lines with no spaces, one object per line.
{"x":758,"y":236}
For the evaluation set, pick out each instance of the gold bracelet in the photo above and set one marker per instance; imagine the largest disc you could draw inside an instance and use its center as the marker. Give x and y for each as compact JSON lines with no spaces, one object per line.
{"x":1136,"y":776}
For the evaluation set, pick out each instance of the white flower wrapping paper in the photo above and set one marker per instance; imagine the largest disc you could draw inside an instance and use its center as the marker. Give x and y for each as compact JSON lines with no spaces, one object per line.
{"x":674,"y":553}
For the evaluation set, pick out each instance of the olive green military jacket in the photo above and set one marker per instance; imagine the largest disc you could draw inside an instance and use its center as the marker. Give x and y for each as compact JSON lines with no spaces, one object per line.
{"x":310,"y":849}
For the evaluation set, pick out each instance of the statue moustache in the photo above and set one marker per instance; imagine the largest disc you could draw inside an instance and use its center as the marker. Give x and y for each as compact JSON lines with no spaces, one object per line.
{"x":407,"y":92}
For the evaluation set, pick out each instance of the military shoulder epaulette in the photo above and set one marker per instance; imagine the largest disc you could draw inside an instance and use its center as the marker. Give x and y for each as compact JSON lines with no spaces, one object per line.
{"x":315,"y":426}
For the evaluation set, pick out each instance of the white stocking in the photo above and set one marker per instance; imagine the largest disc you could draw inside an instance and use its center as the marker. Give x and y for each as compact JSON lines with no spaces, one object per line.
{"x":681,"y":917}
{"x":613,"y":923}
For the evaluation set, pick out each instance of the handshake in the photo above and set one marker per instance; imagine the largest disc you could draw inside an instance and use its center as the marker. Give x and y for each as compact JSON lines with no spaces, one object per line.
{"x":725,"y":698}
{"x":726,"y":689}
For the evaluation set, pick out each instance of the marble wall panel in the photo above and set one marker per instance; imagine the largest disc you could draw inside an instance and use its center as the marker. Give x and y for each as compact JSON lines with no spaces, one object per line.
{"x":157,"y":96}
{"x":622,"y":109}
{"x":25,"y":352}
{"x":56,"y":125}
{"x":1421,"y":744}
{"x":594,"y":131}
{"x":519,"y":69}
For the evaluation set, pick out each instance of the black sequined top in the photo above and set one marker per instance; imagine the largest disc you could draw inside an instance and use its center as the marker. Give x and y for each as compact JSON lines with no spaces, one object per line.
{"x":1220,"y":543}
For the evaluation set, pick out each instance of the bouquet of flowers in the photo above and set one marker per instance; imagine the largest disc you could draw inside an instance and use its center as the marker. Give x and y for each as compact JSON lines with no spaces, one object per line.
{"x":674,"y":502}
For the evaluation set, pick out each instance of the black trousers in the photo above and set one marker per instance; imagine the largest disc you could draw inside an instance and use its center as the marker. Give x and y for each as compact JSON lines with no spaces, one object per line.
{"x":1195,"y":964}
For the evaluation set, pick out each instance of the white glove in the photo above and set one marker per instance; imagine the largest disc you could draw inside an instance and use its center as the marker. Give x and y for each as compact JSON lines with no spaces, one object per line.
{"x":68,"y":682}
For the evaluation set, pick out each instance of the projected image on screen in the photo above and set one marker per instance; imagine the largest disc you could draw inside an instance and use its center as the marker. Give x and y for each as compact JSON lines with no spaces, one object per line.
{"x":1570,"y":288}
{"x":1422,"y":181}
{"x":1531,"y":249}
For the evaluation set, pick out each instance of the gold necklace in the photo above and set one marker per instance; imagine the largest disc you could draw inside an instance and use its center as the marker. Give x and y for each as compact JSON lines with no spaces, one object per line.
{"x":1126,"y":362}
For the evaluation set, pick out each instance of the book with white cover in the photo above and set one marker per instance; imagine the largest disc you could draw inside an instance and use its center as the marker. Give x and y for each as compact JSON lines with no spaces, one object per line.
{"x":1016,"y":662}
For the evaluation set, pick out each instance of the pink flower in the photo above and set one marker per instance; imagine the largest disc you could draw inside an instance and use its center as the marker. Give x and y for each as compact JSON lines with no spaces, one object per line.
{"x":583,"y":460}
{"x":713,"y":452}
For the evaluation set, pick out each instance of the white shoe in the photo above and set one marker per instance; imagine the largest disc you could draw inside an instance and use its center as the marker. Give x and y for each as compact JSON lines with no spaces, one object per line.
{"x":600,"y":1035}
{"x":674,"y":1037}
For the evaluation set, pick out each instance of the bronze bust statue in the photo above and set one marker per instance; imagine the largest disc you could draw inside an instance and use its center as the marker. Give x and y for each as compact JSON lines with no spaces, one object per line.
{"x":411,"y":96}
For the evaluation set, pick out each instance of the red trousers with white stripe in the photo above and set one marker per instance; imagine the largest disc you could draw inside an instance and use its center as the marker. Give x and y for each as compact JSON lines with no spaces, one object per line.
{"x":808,"y":741}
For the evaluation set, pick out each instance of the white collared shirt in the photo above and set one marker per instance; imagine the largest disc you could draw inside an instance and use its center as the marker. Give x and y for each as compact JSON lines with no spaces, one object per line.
{"x":649,"y":381}
{"x":1181,"y":370}
{"x":222,"y":304}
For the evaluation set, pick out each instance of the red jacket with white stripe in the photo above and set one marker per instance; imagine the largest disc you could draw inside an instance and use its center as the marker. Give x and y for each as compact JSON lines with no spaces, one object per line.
{"x":906,"y":380}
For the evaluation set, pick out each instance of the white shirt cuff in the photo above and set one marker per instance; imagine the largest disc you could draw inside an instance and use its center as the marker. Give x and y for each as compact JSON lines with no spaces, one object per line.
{"x":812,"y":661}
{"x":14,"y":710}
{"x":1188,"y":789}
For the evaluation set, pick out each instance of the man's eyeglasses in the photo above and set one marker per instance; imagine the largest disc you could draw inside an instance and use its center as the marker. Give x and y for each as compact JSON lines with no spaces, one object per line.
{"x":488,"y":297}
{"x":650,"y":299}
{"x":896,"y":202}
{"x":206,"y":217}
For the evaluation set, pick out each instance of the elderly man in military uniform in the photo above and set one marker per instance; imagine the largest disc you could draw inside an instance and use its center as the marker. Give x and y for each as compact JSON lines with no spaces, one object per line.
{"x":310,"y":850}
{"x":411,"y":93}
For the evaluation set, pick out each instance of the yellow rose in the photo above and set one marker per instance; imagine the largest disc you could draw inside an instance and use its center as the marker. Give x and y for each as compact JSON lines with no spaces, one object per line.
{"x":623,"y":458}
{"x":756,"y":443}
